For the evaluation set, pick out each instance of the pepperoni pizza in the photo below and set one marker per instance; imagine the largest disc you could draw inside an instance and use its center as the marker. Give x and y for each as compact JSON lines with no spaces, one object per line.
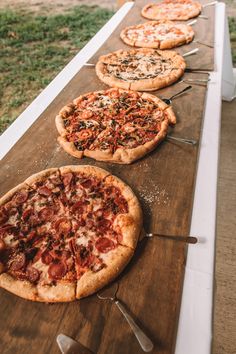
{"x":65,"y":233}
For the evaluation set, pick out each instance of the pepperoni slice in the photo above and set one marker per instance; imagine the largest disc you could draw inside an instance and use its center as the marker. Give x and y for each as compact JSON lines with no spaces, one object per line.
{"x":44,"y":191}
{"x":46,"y":214}
{"x":104,"y":224}
{"x":122,"y":204}
{"x":31,"y":235}
{"x":3,"y":216}
{"x":67,"y":178}
{"x":2,"y":245}
{"x":66,"y":254}
{"x":18,"y":262}
{"x":57,"y":270}
{"x":63,"y":226}
{"x":37,"y":256}
{"x":73,"y":246}
{"x":6,"y":228}
{"x":21,"y":197}
{"x":86,"y":261}
{"x":12,"y":211}
{"x":104,"y":245}
{"x":27,"y":213}
{"x":46,"y":258}
{"x":32,"y":274}
{"x":77,"y":207}
{"x":87,"y":183}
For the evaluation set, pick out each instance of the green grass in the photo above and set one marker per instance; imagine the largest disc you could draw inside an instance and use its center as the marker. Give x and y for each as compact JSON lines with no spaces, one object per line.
{"x":35,"y":48}
{"x":232,"y":30}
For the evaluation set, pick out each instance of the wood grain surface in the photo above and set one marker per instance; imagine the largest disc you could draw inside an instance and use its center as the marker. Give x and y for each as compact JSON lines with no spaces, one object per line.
{"x":151,"y":285}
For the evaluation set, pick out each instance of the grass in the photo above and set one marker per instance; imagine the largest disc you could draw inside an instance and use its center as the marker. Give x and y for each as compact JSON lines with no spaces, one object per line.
{"x":35,"y":48}
{"x":232,"y":30}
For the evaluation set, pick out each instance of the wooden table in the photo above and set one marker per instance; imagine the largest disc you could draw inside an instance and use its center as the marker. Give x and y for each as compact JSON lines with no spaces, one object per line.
{"x":96,"y":324}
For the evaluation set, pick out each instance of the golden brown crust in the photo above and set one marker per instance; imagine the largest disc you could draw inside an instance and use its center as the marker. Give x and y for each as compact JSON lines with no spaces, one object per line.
{"x":40,"y":176}
{"x":60,"y":125}
{"x":69,"y":147}
{"x":108,"y":79}
{"x":130,"y":223}
{"x":61,"y":292}
{"x":116,"y":261}
{"x":86,"y":169}
{"x":20,"y":288}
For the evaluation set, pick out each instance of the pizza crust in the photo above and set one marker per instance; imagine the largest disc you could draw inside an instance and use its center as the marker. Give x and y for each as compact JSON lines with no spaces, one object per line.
{"x":86,"y":169}
{"x":69,"y":147}
{"x":61,"y":292}
{"x":129,"y":223}
{"x":20,"y":288}
{"x":40,"y":176}
{"x":116,"y":261}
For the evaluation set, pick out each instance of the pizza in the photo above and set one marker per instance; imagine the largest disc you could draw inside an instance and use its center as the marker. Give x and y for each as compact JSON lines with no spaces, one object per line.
{"x":65,"y":233}
{"x":163,"y":34}
{"x":179,"y":10}
{"x":141,"y":69}
{"x":113,"y":125}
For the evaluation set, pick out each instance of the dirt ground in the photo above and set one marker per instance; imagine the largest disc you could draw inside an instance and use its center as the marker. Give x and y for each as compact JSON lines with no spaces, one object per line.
{"x":59,"y":6}
{"x":55,"y":6}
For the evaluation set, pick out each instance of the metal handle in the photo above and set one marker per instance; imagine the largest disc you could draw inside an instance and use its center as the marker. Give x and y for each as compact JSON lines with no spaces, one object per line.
{"x":203,"y":43}
{"x":182,"y":140}
{"x":180,"y":92}
{"x":89,"y":64}
{"x":194,"y":51}
{"x":145,"y":343}
{"x":203,"y":16}
{"x":205,"y":81}
{"x":192,"y":22}
{"x":210,"y":4}
{"x":187,"y":239}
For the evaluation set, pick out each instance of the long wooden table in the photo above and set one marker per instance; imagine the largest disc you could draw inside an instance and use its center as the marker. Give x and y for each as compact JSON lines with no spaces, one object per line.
{"x":151,"y":285}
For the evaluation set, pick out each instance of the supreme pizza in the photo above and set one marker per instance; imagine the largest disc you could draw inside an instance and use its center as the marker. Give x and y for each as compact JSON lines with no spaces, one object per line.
{"x":163,"y":34}
{"x":65,"y":233}
{"x":179,"y":10}
{"x":113,"y":125}
{"x":140,"y":69}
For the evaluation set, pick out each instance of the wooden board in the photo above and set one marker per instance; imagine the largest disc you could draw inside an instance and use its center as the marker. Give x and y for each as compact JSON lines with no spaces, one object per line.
{"x":151,"y":285}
